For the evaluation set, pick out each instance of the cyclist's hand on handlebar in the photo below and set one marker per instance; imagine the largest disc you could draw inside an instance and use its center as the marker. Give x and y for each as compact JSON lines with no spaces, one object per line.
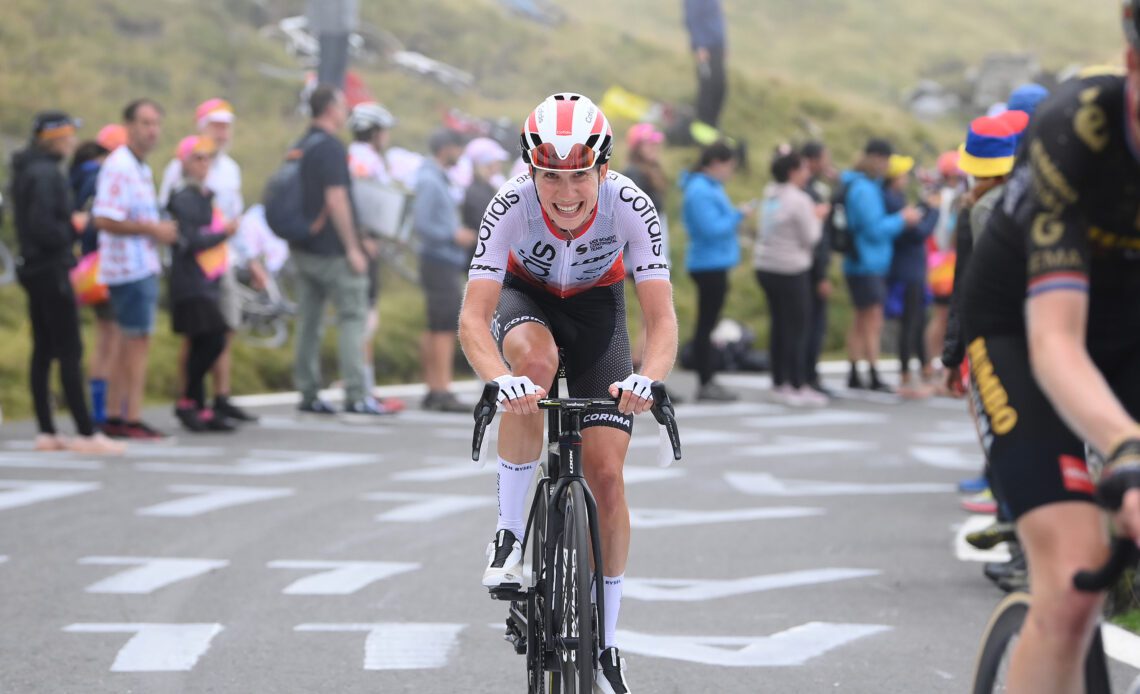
{"x":1128,"y":517}
{"x":633,"y":394}
{"x":1119,"y":488}
{"x":519,"y":394}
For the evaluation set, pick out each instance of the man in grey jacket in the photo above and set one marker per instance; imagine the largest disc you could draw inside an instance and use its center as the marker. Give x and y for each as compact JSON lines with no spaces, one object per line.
{"x":445,"y":250}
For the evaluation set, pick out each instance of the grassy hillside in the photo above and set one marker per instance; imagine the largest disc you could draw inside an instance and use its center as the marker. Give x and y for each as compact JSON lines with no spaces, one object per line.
{"x":92,"y":57}
{"x":875,"y":48}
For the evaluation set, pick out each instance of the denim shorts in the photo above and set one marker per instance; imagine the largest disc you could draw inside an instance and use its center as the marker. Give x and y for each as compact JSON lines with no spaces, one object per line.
{"x":135,"y":305}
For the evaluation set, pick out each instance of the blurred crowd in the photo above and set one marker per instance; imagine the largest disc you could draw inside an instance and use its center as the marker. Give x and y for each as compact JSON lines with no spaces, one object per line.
{"x":96,"y":233}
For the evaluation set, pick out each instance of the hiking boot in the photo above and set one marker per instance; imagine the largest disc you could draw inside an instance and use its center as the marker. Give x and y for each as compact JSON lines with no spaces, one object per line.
{"x":97,"y":444}
{"x":445,"y":401}
{"x":226,"y":408}
{"x":1009,"y":575}
{"x":610,"y":678}
{"x":504,"y":561}
{"x":993,"y":535}
{"x":877,"y":384}
{"x":983,"y":503}
{"x":715,"y":392}
{"x":973,"y":485}
{"x":140,"y":431}
{"x":315,"y":406}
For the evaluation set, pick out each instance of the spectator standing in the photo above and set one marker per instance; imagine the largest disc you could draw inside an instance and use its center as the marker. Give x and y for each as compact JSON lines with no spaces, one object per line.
{"x":445,"y":248}
{"x":85,"y":166}
{"x":371,"y":125}
{"x":331,"y":263}
{"x":790,"y":228}
{"x":940,"y":258}
{"x":43,"y":218}
{"x":908,"y":271}
{"x":872,"y":232}
{"x":214,"y":118}
{"x":130,"y":231}
{"x":487,"y":159}
{"x":714,"y":249}
{"x":821,"y":173}
{"x":645,"y":169}
{"x":195,"y":275}
{"x":705,"y":21}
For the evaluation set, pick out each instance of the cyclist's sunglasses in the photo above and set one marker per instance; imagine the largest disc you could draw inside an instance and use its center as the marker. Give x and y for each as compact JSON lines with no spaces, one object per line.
{"x":580,"y":158}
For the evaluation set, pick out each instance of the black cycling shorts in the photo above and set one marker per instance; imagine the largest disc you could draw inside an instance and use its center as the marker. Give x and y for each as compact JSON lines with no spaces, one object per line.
{"x":1034,"y":459}
{"x":589,"y":328}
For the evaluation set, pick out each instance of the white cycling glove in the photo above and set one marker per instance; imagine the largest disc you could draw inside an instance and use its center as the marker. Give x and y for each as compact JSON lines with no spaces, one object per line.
{"x":638,"y":385}
{"x":515,"y":387}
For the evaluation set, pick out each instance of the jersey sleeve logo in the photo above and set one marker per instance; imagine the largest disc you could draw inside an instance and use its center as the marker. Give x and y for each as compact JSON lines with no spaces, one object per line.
{"x":496,"y":210}
{"x":640,"y":203}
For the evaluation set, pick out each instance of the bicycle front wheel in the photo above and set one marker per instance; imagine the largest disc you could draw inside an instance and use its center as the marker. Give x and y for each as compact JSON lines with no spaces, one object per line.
{"x":1001,"y":636}
{"x":998,"y":642}
{"x":574,"y":612}
{"x":538,"y":680}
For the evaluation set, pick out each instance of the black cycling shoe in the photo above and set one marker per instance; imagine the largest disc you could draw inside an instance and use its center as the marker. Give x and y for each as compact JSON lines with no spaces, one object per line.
{"x":610,"y":679}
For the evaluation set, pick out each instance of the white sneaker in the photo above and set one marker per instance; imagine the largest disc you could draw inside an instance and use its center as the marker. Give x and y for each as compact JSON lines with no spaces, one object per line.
{"x":610,"y":677}
{"x":809,"y":397}
{"x":504,"y":561}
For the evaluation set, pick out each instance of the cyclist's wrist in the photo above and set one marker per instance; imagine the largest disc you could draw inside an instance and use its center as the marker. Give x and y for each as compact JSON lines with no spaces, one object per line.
{"x":1120,"y":439}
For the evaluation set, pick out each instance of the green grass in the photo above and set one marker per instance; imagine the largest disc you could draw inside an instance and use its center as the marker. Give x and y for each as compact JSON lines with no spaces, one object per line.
{"x":1129,"y":620}
{"x":72,"y":54}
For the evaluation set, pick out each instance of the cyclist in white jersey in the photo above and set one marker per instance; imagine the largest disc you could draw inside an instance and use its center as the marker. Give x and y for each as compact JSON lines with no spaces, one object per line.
{"x":547,"y":274}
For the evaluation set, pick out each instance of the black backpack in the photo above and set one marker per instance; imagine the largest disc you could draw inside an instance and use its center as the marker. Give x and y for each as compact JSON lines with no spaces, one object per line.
{"x":835,"y":228}
{"x":284,"y":196}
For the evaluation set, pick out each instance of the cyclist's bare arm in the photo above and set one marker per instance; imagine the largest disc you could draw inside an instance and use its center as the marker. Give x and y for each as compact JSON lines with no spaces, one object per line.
{"x":1062,"y":365}
{"x":656,"y":299}
{"x":479,"y":345}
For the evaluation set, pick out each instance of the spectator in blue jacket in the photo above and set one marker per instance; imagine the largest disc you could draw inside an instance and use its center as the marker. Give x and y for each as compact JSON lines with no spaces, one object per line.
{"x":705,"y":21}
{"x":908,"y":272}
{"x":714,"y":249}
{"x":873,"y":232}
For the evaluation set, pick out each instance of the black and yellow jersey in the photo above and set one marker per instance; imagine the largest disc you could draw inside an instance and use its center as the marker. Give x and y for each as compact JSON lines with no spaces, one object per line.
{"x":1069,"y":219}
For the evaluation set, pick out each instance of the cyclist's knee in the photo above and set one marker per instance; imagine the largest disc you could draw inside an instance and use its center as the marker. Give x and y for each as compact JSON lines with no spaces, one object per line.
{"x":608,"y":484}
{"x":538,"y":364}
{"x":1068,"y":615}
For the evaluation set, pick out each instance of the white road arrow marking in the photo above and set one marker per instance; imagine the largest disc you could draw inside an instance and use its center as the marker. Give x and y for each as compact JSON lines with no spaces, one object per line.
{"x":1121,"y":644}
{"x":211,"y":498}
{"x":763,"y":484}
{"x":737,"y":409}
{"x":444,"y":474}
{"x":427,"y":507}
{"x":339,"y":577}
{"x":948,"y":458}
{"x":150,"y":574}
{"x":949,"y":433}
{"x":967,"y":552}
{"x":27,"y":492}
{"x":156,"y":647}
{"x":3,"y":558}
{"x":783,"y":446}
{"x":794,"y":646}
{"x":400,"y":646}
{"x":698,"y":590}
{"x":819,"y":418}
{"x":635,"y":474}
{"x":671,"y":518}
{"x":262,"y":463}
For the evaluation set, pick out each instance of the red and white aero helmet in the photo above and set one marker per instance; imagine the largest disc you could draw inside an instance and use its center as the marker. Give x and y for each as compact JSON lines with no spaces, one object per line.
{"x":567,"y":132}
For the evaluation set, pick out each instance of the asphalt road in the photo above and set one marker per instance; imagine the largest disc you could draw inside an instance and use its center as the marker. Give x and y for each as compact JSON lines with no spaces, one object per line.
{"x":790,"y":551}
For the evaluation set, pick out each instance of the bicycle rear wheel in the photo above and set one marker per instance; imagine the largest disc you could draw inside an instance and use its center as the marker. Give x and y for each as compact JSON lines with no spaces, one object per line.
{"x":573,"y":615}
{"x":998,"y":643}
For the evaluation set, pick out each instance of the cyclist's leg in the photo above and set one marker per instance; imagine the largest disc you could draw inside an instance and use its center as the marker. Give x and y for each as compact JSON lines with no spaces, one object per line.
{"x":520,"y":326}
{"x":1039,"y":467}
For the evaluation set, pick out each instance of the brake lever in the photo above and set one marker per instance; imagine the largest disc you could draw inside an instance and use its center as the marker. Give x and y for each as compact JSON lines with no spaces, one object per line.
{"x":666,"y":418}
{"x":484,"y":413}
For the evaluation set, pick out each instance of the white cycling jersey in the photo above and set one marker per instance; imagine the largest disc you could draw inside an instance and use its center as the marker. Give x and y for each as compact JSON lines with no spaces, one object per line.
{"x":517,"y":237}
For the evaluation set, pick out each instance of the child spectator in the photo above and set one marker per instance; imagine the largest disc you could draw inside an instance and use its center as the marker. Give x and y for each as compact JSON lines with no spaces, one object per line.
{"x":197,"y":264}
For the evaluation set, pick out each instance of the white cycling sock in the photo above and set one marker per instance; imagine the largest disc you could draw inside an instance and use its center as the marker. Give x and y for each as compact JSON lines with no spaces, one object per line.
{"x":612,"y":593}
{"x":514,"y":482}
